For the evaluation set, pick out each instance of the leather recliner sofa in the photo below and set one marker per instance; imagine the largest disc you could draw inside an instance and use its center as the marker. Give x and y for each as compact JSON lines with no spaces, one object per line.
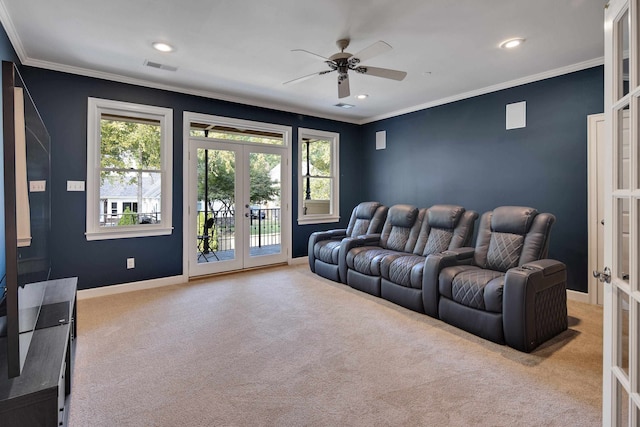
{"x":391,"y":265}
{"x":504,"y":289}
{"x":324,"y":246}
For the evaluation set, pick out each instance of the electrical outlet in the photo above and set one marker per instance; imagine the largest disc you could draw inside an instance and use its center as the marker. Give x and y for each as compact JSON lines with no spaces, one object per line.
{"x":37,"y":186}
{"x":131,"y":263}
{"x":75,"y":185}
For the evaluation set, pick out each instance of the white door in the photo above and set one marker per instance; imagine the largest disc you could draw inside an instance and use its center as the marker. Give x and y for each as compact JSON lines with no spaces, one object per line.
{"x":621,"y":364}
{"x":597,"y":170}
{"x":236,"y":215}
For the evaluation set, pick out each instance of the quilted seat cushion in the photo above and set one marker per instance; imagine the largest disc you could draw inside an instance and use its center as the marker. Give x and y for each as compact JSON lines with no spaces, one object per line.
{"x":403,"y":270}
{"x":366,"y":259}
{"x":473,"y":287}
{"x":327,"y":250}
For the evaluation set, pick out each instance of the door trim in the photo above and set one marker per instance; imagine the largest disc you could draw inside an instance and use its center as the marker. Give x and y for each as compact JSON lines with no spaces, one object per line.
{"x":592,"y":203}
{"x":287,"y":132}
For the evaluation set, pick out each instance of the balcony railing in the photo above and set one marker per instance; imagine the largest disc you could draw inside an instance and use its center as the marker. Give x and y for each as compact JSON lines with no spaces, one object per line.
{"x":129,"y":218}
{"x":264,"y":229}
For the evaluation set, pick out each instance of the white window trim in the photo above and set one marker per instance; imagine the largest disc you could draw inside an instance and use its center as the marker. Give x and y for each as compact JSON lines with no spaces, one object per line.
{"x":95,"y":109}
{"x":334,"y":215}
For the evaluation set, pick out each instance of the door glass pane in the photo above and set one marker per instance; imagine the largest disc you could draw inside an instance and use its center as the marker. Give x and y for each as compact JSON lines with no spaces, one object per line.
{"x":623,"y":148}
{"x":622,"y":407}
{"x":623,"y":331}
{"x":622,"y":54}
{"x":215,"y":222}
{"x":265,"y":202}
{"x":622,"y":239}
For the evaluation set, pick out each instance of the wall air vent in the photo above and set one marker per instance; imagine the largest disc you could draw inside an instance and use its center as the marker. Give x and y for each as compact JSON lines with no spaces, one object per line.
{"x":343,"y":105}
{"x":159,"y":66}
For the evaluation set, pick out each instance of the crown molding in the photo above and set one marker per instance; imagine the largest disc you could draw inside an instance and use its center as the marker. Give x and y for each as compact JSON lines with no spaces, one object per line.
{"x":297,"y":110}
{"x":203,"y":93}
{"x":494,"y":88}
{"x":10,"y":29}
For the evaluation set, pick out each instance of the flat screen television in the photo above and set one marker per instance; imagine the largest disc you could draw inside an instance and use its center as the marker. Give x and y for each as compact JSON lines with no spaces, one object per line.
{"x":26,"y":218}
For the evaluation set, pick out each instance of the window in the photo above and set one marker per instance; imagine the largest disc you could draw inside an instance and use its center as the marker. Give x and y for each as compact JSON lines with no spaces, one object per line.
{"x":129,"y":162}
{"x":318,"y":180}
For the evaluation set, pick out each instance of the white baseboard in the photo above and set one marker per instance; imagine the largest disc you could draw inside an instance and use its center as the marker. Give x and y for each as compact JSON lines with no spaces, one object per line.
{"x":129,"y":287}
{"x":578,"y":296}
{"x":299,"y":261}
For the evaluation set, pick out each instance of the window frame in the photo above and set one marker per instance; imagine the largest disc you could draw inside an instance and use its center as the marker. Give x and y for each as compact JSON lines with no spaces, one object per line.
{"x":96,"y":107}
{"x":334,"y":202}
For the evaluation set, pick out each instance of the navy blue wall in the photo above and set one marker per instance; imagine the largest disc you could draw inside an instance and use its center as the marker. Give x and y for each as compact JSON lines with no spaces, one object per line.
{"x":461,"y":153}
{"x":62,"y":101}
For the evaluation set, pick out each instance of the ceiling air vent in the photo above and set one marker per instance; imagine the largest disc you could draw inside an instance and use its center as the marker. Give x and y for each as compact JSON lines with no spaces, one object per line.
{"x":343,"y":105}
{"x":159,"y":66}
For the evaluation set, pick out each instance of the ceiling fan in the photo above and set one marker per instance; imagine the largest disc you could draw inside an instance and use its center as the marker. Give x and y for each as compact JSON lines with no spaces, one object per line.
{"x":343,"y":61}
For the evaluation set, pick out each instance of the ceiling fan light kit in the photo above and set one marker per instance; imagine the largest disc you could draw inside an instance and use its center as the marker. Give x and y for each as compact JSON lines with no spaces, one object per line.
{"x":342,"y":62}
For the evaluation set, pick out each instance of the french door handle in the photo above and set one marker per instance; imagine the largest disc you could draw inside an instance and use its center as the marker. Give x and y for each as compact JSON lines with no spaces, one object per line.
{"x":603,"y":276}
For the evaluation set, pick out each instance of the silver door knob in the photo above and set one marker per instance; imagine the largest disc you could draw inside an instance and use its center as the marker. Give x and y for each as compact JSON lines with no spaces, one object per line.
{"x":603,"y":276}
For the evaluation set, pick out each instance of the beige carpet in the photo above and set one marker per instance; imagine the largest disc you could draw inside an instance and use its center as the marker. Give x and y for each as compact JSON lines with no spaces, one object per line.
{"x":284,"y":347}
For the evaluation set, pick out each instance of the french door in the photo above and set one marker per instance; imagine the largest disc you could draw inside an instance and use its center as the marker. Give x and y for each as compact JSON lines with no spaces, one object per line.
{"x":236,"y":215}
{"x":621,"y":361}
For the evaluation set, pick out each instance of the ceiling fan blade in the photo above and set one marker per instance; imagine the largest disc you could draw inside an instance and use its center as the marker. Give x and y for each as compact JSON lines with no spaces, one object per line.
{"x":308,"y":76}
{"x":382,"y":72}
{"x":311,"y":53}
{"x":343,"y":86}
{"x":374,"y":50}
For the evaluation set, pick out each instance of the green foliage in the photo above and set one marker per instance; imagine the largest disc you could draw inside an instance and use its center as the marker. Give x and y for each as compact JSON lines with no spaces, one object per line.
{"x":128,"y":217}
{"x":220,"y":171}
{"x":319,"y":169}
{"x":129,"y":145}
{"x":262,"y":188}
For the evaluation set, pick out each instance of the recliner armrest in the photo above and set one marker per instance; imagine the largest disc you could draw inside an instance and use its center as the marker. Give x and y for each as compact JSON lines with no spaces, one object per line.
{"x":461,"y":254}
{"x":367,"y":240}
{"x":318,"y":236}
{"x":547,"y":266}
{"x":534,"y":304}
{"x":432,"y":267}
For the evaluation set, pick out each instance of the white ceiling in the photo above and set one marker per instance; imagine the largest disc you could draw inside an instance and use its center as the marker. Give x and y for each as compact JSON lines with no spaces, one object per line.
{"x":240,"y":50}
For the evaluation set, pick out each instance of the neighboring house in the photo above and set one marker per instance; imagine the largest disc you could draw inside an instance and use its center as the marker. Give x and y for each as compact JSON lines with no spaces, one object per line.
{"x":118,"y":196}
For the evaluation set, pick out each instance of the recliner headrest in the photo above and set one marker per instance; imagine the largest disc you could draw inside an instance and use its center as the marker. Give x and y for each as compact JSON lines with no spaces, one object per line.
{"x":444,"y":216}
{"x":366,"y":210}
{"x":512,"y":219}
{"x":402,"y":215}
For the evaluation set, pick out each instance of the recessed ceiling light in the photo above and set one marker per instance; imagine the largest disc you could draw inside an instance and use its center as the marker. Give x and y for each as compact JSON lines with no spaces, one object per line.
{"x":511,"y":43}
{"x":362,"y":96}
{"x":162,"y":47}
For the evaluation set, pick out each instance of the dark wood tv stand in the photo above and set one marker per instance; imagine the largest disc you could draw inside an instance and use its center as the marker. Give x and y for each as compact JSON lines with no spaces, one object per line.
{"x":38,"y":396}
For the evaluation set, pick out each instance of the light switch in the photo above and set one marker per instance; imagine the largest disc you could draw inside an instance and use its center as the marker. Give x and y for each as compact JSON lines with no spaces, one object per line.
{"x":75,"y":185}
{"x":37,"y":186}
